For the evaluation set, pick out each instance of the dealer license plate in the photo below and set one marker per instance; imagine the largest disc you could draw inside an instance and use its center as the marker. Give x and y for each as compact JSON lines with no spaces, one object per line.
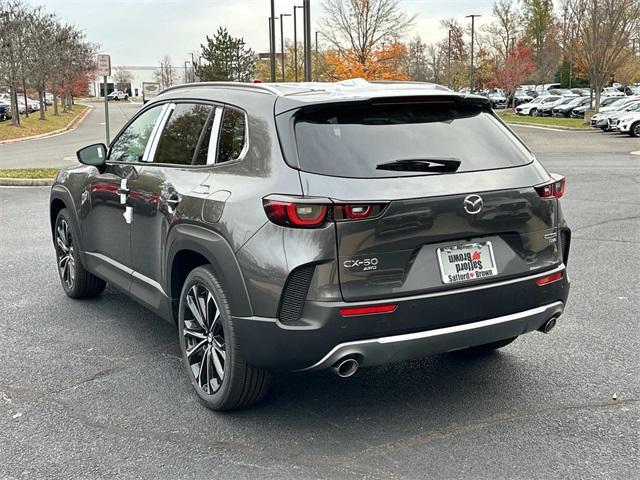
{"x":467,"y":263}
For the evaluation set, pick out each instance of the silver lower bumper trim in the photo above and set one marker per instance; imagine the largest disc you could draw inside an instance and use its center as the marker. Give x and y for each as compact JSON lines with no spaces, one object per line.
{"x":381,"y":350}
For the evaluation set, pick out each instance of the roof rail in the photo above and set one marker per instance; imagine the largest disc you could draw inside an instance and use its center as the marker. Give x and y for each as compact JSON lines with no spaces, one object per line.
{"x":247,"y":86}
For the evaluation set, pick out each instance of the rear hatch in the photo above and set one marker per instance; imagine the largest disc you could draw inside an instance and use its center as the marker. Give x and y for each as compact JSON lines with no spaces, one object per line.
{"x":451,"y":189}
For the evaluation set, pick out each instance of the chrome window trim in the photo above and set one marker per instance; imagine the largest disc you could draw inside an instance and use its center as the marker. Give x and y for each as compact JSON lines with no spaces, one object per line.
{"x":212,"y":154}
{"x":154,"y":132}
{"x":150,"y":154}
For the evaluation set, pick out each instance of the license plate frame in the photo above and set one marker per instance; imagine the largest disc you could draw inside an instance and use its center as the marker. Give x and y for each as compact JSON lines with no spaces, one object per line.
{"x":448,"y":270}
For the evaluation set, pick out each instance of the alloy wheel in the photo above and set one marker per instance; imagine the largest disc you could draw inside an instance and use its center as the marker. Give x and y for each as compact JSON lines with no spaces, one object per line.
{"x":636,"y":130}
{"x":204,"y":341}
{"x":66,"y":261}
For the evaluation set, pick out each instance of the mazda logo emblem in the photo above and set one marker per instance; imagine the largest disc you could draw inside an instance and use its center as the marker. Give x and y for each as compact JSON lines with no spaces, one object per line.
{"x":473,"y":204}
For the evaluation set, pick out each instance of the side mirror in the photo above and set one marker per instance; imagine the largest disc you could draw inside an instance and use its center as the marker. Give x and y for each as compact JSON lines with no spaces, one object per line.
{"x":94,"y":155}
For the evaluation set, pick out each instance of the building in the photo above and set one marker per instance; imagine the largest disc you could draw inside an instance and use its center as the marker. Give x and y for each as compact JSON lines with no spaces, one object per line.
{"x":139,"y":74}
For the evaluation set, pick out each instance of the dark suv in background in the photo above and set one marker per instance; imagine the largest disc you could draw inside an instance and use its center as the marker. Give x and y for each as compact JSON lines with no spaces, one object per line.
{"x":315,"y":226}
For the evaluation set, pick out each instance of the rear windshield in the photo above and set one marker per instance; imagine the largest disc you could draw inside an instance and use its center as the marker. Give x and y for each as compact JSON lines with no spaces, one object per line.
{"x":351,"y":141}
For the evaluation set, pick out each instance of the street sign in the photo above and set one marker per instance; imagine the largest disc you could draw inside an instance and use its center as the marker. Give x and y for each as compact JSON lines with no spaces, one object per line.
{"x":103,"y":63}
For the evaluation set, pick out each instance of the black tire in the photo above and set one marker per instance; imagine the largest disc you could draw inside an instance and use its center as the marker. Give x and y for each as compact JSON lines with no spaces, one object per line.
{"x":210,"y":341}
{"x":533,"y":112}
{"x":482,"y":350}
{"x":75,"y":280}
{"x":634,"y":130}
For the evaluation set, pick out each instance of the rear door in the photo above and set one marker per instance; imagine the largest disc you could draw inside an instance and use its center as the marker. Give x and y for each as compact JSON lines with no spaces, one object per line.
{"x":440,"y":227}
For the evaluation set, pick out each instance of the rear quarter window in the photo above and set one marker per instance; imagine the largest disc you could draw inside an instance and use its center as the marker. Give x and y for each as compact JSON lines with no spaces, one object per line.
{"x":351,"y":140}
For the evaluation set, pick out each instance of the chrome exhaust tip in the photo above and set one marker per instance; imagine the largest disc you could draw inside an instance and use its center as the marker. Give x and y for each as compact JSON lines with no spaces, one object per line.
{"x":346,"y":367}
{"x":548,"y":325}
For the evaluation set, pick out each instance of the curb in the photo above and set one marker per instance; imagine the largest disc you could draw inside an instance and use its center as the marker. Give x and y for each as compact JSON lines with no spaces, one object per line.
{"x":548,"y":127}
{"x":73,"y":124}
{"x":26,"y":182}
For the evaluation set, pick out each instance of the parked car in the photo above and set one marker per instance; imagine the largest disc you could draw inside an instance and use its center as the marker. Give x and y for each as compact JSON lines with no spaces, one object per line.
{"x":546,"y":108}
{"x":601,"y":119}
{"x":564,"y":92}
{"x":612,"y":92}
{"x":117,"y":95}
{"x":630,"y":123}
{"x":565,"y":110}
{"x":497,"y":99}
{"x":289,"y":227}
{"x":620,"y":105}
{"x":5,"y":111}
{"x":531,"y":108}
{"x":521,"y":96}
{"x":613,"y":118}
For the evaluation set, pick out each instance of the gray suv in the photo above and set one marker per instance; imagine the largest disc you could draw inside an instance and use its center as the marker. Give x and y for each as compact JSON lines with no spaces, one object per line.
{"x":302,"y":227}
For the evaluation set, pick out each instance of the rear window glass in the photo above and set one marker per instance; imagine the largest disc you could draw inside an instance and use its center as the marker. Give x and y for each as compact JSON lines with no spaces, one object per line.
{"x":350,"y":141}
{"x":182,"y":135}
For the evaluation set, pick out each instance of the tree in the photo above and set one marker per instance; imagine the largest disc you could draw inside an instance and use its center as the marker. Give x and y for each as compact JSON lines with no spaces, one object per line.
{"x":165,"y":74}
{"x":417,"y":61}
{"x":226,"y":58}
{"x":602,"y":39}
{"x":383,"y":63}
{"x":359,"y":28}
{"x":502,"y":31}
{"x":518,"y":65}
{"x":122,"y":77}
{"x":540,"y":33}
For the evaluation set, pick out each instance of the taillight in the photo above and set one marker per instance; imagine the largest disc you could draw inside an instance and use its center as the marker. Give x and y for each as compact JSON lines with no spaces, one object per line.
{"x":554,"y":277}
{"x":357,"y":211}
{"x":305,"y":213}
{"x":554,"y":189}
{"x":300,"y":215}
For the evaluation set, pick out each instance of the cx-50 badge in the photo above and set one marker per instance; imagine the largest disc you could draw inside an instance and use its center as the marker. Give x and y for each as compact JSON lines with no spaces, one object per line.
{"x":473,"y":204}
{"x":365,"y":264}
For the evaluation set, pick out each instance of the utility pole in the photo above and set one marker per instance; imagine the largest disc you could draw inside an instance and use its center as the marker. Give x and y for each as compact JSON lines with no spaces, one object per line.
{"x":473,"y":31}
{"x":272,"y":40}
{"x":307,"y":40}
{"x":193,"y":68}
{"x":282,"y":15}
{"x":295,"y":41}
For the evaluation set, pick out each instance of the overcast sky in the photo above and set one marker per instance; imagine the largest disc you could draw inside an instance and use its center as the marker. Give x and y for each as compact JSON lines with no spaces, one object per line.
{"x":141,"y":32}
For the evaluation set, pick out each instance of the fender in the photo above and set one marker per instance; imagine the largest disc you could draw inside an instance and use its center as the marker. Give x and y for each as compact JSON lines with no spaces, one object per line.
{"x":219,"y":253}
{"x":60,"y":192}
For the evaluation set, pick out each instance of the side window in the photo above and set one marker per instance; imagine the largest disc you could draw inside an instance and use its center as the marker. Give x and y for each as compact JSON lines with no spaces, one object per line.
{"x":233,"y":133}
{"x":130,"y":145}
{"x":184,"y":133}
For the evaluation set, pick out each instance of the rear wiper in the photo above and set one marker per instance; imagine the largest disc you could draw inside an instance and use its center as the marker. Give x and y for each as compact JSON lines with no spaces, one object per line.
{"x":439,"y":165}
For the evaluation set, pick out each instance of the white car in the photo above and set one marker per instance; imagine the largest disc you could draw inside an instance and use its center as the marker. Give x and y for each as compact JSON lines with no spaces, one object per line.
{"x":531,"y":108}
{"x":612,"y":92}
{"x":629,"y":123}
{"x":117,"y":95}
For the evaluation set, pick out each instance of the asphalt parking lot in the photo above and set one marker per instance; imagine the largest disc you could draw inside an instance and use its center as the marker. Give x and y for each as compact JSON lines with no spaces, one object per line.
{"x":95,"y":389}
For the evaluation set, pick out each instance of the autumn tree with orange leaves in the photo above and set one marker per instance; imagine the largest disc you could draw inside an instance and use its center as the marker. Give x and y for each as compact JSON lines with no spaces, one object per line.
{"x":383,"y":63}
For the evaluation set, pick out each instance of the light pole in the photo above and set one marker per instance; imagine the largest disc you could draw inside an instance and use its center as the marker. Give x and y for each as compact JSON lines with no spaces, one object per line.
{"x":272,"y":40}
{"x":295,"y":41}
{"x":316,"y":59}
{"x":307,"y":40}
{"x":472,"y":73}
{"x":282,"y":15}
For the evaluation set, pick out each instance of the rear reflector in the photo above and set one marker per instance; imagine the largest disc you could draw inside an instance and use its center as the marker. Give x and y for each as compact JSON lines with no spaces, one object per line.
{"x":372,"y":310}
{"x":554,"y":277}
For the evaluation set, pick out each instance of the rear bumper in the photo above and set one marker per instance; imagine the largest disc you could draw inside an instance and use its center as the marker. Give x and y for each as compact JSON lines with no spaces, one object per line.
{"x":412,"y":345}
{"x":421,"y":325}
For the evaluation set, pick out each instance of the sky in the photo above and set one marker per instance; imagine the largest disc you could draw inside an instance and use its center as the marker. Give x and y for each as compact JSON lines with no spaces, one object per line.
{"x":141,"y":32}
